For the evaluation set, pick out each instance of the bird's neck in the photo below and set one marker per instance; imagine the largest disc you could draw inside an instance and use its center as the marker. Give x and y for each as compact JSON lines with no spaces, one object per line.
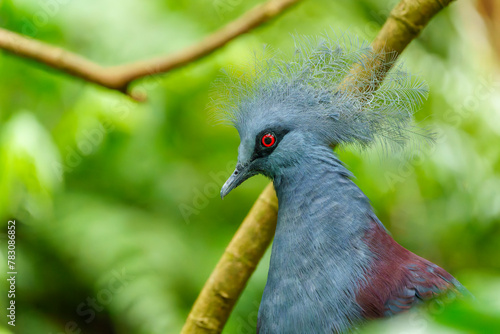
{"x":318,"y":250}
{"x":320,"y":206}
{"x":320,"y":186}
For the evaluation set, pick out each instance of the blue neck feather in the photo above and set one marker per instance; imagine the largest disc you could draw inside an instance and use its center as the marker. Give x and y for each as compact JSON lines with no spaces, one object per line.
{"x":318,"y":257}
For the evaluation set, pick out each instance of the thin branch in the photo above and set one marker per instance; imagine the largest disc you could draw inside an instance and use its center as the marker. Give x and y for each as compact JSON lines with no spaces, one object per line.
{"x":217,"y":298}
{"x":120,"y":77}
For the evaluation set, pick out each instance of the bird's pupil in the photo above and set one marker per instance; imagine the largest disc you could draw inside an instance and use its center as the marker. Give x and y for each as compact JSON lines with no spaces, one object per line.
{"x":268,"y":140}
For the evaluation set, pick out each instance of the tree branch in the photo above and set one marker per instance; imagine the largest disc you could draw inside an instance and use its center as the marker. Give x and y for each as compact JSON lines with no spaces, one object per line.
{"x":120,"y":77}
{"x":217,"y":298}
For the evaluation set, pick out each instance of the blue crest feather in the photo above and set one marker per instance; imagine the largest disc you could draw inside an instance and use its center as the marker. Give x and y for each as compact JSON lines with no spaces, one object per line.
{"x":317,"y":89}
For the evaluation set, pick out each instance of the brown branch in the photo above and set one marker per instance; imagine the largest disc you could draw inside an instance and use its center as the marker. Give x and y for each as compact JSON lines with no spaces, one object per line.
{"x":217,"y":298}
{"x":120,"y":77}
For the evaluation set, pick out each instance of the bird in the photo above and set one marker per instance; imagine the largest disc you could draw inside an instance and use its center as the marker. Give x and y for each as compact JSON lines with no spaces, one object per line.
{"x":333,"y":265}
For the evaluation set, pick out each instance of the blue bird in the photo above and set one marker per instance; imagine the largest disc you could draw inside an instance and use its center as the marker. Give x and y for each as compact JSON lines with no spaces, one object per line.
{"x":333,"y":264}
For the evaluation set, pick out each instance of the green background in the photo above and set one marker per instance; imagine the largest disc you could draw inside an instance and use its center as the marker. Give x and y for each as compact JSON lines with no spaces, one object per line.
{"x":103,"y":187}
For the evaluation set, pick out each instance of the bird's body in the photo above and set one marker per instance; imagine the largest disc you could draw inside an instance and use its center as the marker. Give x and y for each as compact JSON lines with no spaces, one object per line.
{"x":333,"y":264}
{"x":347,"y":268}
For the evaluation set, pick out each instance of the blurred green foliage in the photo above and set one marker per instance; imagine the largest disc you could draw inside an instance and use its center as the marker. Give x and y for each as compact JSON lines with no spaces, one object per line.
{"x":119,"y":219}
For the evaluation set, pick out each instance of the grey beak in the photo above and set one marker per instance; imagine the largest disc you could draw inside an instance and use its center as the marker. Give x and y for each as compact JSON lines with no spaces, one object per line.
{"x":240,"y":174}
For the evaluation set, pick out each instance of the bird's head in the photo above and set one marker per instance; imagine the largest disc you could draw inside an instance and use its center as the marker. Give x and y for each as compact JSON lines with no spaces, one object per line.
{"x":267,"y":148}
{"x":287,"y":109}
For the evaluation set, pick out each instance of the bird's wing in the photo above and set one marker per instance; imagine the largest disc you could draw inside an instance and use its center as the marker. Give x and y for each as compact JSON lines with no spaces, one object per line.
{"x":399,"y":279}
{"x":421,"y":281}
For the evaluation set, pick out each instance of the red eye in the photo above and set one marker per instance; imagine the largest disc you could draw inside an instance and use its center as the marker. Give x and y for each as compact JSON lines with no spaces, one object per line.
{"x":268,"y":140}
